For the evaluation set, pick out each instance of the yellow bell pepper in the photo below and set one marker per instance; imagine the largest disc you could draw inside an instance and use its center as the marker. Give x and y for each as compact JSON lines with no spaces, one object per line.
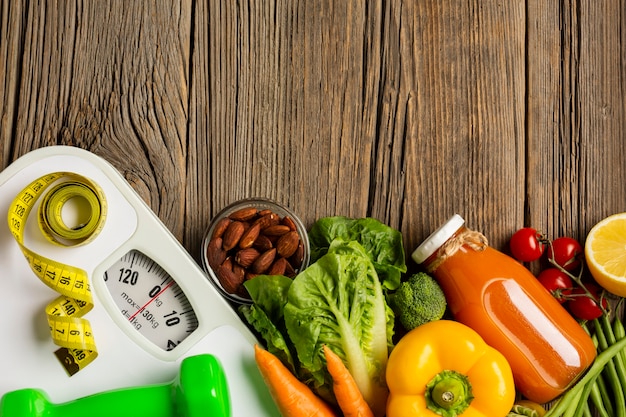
{"x":444,"y":368}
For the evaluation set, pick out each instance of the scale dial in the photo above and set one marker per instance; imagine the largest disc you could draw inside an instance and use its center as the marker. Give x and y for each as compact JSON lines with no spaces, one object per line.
{"x":149,"y":298}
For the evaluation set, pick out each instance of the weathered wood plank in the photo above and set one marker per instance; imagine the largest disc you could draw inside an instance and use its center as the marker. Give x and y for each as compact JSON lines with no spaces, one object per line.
{"x":12,"y":23}
{"x":601,"y":100}
{"x":576,"y":110}
{"x":463,"y":86}
{"x":111,"y":78}
{"x":287,"y":85}
{"x":508,"y":113}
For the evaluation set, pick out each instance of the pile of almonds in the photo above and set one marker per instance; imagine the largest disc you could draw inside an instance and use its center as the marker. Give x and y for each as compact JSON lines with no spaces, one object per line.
{"x":249,"y":242}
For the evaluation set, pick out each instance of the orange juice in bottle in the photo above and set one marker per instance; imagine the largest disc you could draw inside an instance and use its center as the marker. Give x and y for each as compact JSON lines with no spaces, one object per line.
{"x":503,"y":301}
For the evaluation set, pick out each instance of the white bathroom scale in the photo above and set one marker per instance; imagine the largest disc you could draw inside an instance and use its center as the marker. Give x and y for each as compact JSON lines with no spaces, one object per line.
{"x":152,"y":304}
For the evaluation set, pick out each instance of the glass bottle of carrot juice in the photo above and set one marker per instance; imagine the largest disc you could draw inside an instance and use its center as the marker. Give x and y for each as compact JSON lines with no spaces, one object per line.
{"x":502,"y":300}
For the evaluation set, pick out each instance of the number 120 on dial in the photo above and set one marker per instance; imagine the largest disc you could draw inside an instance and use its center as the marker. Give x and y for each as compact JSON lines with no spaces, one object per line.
{"x":149,"y":298}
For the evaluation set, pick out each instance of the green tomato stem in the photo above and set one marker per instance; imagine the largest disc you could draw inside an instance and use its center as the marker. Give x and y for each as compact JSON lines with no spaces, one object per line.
{"x":578,"y":280}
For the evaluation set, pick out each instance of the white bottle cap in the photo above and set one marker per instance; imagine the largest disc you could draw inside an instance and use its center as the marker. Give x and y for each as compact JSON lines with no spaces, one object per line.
{"x":437,"y":238}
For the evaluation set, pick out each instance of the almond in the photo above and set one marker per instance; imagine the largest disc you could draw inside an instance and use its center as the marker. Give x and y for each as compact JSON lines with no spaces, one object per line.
{"x":263,"y":243}
{"x":214,"y":252}
{"x":267,"y":220}
{"x":263,"y":261}
{"x":287,"y":244}
{"x":243,"y":214}
{"x":240,"y":273}
{"x":230,"y":280}
{"x":232,"y":234}
{"x":249,"y":236}
{"x":252,"y":241}
{"x":246,"y":257}
{"x":298,"y":257}
{"x":278,"y":267}
{"x":243,"y":292}
{"x":288,"y":221}
{"x":220,"y":227}
{"x":276,"y":230}
{"x":289,"y":271}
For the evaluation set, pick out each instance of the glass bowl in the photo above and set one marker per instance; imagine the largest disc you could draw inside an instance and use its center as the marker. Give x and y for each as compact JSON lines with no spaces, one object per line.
{"x":250,"y":237}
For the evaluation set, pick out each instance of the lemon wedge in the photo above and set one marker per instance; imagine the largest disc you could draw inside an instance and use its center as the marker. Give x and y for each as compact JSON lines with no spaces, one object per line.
{"x":605,"y":252}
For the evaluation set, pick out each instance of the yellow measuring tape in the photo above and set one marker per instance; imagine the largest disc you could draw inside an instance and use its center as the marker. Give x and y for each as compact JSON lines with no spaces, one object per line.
{"x":68,"y":328}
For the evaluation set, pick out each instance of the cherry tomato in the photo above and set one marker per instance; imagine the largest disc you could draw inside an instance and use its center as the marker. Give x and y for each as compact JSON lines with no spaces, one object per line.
{"x":566,"y":252}
{"x":526,"y":245}
{"x":584,"y":307}
{"x":557,"y":282}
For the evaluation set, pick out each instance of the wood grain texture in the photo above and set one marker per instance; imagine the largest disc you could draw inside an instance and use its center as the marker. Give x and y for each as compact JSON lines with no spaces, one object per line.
{"x":466,"y":111}
{"x":509,"y":113}
{"x":575,"y":147}
{"x":108,"y":77}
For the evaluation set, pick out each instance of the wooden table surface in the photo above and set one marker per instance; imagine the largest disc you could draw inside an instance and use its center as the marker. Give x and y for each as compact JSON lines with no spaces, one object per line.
{"x":510,"y":113}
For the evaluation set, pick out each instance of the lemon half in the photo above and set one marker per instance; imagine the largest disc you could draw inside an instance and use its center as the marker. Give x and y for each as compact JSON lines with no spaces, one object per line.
{"x":605,"y":252}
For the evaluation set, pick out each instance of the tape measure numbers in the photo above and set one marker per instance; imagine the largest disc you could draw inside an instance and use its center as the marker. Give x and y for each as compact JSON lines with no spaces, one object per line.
{"x":68,"y":328}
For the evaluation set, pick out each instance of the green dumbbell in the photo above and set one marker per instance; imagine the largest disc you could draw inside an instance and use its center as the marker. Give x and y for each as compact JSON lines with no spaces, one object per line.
{"x":200,"y":390}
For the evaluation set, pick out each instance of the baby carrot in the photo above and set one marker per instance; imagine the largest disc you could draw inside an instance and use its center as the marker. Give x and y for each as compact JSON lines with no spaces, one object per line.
{"x":292,"y":397}
{"x":346,"y":391}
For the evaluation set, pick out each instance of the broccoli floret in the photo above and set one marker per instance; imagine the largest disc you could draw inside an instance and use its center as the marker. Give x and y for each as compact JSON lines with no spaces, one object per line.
{"x":418,"y":300}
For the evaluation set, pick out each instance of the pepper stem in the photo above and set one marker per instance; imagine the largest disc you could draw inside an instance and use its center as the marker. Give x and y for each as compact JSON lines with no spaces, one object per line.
{"x":449,"y":393}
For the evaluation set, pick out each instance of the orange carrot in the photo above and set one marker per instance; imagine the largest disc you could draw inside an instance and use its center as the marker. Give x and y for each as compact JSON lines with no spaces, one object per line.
{"x":346,"y":391}
{"x":293,"y":397}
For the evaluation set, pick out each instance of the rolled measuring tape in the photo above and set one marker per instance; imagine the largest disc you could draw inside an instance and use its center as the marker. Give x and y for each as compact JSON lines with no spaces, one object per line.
{"x":69,"y":330}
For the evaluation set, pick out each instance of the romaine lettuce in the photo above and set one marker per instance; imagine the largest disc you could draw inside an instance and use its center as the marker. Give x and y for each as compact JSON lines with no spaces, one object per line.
{"x":382,"y":243}
{"x":337,"y":301}
{"x":265,"y":315}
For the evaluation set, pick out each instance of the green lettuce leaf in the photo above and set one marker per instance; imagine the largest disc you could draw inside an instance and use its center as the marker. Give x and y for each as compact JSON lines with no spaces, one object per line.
{"x":338,"y":301}
{"x":382,"y":243}
{"x":265,"y":315}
